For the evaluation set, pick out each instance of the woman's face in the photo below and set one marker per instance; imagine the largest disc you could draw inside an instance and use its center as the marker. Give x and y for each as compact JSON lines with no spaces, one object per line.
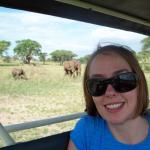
{"x":113,"y":106}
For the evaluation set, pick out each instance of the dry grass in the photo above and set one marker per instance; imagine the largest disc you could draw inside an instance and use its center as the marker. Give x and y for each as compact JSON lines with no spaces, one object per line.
{"x":46,"y":93}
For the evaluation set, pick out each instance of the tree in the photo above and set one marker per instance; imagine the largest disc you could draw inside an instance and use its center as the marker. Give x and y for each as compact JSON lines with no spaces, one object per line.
{"x":26,"y":49}
{"x":146,"y":44}
{"x":144,"y":55}
{"x":4,"y":46}
{"x":84,"y":59}
{"x":42,"y":57}
{"x":62,"y":55}
{"x":141,"y":57}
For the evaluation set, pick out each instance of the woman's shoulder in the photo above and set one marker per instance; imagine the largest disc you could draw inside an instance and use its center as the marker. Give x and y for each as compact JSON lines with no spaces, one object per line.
{"x":85,"y":132}
{"x":91,"y":121}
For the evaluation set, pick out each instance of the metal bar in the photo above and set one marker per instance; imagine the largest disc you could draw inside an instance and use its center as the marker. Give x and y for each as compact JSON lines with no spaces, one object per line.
{"x":7,"y":139}
{"x":103,"y":10}
{"x":43,"y":122}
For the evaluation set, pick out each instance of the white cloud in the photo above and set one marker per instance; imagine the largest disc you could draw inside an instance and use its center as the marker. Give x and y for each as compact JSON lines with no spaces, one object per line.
{"x":105,"y":32}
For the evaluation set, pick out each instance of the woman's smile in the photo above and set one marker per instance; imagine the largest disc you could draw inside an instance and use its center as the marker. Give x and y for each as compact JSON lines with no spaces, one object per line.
{"x":114,"y":107}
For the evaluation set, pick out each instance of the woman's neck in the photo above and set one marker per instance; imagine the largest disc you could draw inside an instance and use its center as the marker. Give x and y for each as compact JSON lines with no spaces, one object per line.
{"x":132,"y":132}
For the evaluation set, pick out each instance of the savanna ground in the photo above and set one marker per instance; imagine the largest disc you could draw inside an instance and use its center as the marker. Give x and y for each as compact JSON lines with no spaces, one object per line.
{"x":47,"y":93}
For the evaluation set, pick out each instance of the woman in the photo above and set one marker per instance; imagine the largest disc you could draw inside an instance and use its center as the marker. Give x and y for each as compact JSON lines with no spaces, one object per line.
{"x":116,"y":97}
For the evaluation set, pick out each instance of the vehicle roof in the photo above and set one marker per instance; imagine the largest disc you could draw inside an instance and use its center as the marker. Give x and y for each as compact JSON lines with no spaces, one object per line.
{"x":130,"y":15}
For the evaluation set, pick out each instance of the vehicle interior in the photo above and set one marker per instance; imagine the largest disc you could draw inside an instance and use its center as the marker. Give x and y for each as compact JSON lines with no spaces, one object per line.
{"x":126,"y":15}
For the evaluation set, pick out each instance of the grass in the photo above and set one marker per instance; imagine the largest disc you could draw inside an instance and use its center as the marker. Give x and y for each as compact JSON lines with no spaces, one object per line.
{"x":46,"y":93}
{"x":42,"y":80}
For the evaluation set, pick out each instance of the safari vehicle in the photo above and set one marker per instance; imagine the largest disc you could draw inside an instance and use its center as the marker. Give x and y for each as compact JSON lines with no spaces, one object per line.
{"x":127,"y":15}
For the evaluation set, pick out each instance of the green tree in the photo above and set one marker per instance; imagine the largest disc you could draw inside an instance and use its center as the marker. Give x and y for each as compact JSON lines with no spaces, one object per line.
{"x":144,"y":55}
{"x":26,"y":49}
{"x":146,"y":44}
{"x":141,"y":56}
{"x":62,"y":55}
{"x":84,"y":59}
{"x":42,"y":57}
{"x":4,"y":46}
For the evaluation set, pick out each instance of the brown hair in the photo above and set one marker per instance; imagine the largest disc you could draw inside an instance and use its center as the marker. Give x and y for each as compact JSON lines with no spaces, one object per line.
{"x":128,"y":55}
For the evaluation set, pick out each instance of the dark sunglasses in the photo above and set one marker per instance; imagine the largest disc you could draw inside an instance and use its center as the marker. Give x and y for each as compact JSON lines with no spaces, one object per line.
{"x":123,"y":82}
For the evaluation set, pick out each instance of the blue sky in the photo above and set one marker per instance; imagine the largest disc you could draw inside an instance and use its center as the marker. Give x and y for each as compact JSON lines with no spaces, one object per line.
{"x":58,"y":33}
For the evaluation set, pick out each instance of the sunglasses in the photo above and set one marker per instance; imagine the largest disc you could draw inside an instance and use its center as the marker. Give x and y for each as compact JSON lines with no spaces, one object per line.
{"x":123,"y":82}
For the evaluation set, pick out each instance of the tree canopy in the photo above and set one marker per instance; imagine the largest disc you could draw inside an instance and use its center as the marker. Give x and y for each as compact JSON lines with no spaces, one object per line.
{"x":4,"y":46}
{"x":144,"y":55}
{"x":146,"y":44}
{"x":62,"y":55}
{"x":26,"y":49}
{"x":84,"y":59}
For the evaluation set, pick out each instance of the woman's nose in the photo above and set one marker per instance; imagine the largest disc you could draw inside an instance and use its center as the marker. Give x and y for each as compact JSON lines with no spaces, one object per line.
{"x":110,"y":91}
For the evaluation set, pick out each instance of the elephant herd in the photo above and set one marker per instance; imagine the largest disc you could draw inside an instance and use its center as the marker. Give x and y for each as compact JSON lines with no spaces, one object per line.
{"x":71,"y":68}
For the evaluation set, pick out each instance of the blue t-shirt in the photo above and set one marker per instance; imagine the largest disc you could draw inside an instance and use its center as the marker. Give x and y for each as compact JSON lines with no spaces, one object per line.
{"x":92,"y":133}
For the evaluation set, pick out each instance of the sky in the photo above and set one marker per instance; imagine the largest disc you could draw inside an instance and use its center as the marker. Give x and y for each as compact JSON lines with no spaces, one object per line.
{"x":55,"y":33}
